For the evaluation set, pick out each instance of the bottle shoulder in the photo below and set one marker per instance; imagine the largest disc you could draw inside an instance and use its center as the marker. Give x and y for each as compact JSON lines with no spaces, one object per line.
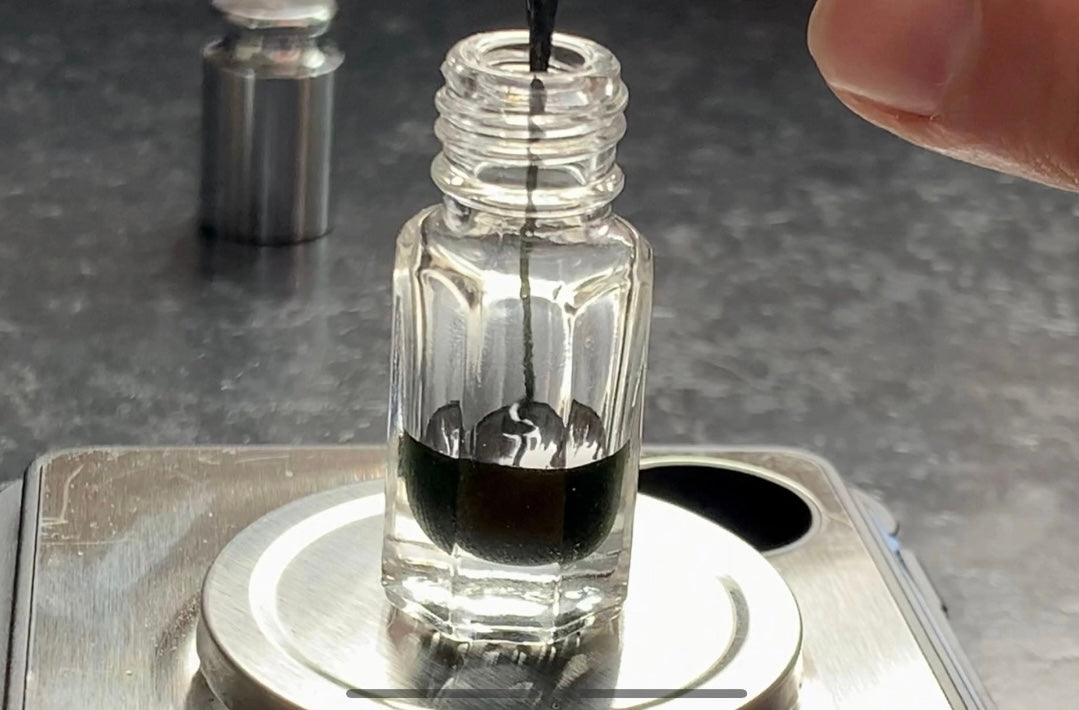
{"x":438,"y":223}
{"x":625,"y":227}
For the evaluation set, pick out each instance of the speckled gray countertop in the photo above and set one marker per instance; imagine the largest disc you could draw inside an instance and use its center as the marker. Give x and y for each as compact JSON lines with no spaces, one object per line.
{"x":820,"y":284}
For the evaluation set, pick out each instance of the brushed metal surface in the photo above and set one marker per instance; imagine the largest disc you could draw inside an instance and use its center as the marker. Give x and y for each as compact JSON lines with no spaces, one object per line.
{"x":294,"y":617}
{"x":277,"y":14}
{"x":116,"y":542}
{"x":268,"y":123}
{"x":10,"y":502}
{"x":123,"y":541}
{"x":856,"y":634}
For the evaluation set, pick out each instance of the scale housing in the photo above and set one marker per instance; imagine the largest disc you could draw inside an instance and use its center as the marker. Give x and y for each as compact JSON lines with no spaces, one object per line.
{"x":114,"y":545}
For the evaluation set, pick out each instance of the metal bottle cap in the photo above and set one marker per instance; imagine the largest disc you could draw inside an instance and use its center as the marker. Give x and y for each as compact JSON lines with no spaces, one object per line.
{"x":268,"y":115}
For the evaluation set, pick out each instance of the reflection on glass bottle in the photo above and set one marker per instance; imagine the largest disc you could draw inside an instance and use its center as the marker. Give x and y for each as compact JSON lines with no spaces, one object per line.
{"x":579,"y":673}
{"x":521,"y":315}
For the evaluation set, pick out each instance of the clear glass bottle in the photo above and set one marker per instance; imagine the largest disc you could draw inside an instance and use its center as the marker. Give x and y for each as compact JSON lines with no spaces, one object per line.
{"x":522,"y":307}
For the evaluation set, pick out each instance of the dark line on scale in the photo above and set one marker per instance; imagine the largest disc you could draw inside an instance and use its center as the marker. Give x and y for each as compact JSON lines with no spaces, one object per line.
{"x":527,"y":693}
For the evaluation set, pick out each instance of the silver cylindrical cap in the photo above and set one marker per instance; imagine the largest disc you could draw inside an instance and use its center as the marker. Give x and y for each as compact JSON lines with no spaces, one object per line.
{"x":268,"y":119}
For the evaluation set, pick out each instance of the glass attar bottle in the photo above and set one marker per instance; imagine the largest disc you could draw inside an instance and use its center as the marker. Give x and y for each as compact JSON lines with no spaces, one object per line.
{"x":522,"y":307}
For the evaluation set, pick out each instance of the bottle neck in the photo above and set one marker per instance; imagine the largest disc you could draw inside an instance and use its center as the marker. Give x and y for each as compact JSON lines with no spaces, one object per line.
{"x":530,"y":146}
{"x":467,"y":220}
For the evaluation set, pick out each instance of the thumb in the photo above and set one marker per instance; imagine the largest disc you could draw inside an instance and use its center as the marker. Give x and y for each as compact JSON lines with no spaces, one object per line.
{"x":991,"y":82}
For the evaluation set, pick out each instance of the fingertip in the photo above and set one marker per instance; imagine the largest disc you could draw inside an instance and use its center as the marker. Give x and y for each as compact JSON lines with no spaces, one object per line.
{"x":988,"y":82}
{"x":898,"y":54}
{"x":817,"y":20}
{"x":946,"y":140}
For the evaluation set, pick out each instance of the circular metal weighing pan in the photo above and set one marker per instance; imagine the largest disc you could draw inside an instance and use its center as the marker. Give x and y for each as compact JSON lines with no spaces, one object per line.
{"x":294,"y":616}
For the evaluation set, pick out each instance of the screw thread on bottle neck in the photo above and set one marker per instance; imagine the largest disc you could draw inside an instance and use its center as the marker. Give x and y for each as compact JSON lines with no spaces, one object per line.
{"x":492,"y":134}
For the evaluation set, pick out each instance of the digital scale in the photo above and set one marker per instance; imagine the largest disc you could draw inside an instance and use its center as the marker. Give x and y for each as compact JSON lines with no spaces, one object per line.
{"x":247,"y":577}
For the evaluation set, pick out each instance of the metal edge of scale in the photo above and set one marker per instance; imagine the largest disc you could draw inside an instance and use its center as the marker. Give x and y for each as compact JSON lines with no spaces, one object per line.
{"x":11,"y":495}
{"x":912,"y":589}
{"x":294,"y":616}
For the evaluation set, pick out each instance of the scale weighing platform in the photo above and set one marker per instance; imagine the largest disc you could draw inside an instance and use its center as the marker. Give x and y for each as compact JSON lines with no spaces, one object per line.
{"x":247,"y":577}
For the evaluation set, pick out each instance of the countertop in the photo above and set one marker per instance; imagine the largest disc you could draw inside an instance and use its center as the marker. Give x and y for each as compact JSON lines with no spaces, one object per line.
{"x":820,"y":284}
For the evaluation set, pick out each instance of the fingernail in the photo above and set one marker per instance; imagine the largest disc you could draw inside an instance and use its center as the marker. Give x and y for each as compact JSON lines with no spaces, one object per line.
{"x":899,"y":53}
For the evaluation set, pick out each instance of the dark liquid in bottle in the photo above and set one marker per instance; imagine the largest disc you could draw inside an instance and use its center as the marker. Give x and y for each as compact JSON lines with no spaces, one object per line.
{"x":512,"y":514}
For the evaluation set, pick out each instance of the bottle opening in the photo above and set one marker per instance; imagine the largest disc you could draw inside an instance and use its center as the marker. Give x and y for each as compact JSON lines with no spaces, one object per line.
{"x":505,"y":53}
{"x":498,"y":119}
{"x":514,"y":60}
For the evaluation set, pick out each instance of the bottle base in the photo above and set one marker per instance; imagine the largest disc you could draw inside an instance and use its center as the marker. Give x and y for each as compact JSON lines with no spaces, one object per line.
{"x":493,"y":605}
{"x":497,"y":629}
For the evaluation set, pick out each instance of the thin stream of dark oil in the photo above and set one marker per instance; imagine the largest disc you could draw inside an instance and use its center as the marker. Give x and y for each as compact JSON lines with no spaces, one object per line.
{"x":512,"y":514}
{"x":541,"y":17}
